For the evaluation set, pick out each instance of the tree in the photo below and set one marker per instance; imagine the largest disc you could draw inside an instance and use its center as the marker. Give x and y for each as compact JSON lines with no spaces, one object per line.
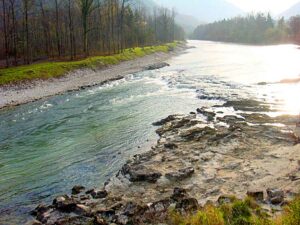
{"x":5,"y":32}
{"x":86,"y":7}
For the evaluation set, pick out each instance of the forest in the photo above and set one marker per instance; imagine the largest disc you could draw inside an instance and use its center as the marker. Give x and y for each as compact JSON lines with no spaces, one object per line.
{"x":252,"y":29}
{"x":39,"y":30}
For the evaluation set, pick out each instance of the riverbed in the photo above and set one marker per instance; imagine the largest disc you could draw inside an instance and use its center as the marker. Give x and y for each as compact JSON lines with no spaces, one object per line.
{"x":84,"y":137}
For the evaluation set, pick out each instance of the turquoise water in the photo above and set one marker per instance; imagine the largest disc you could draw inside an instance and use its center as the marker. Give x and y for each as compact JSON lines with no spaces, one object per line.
{"x":84,"y":137}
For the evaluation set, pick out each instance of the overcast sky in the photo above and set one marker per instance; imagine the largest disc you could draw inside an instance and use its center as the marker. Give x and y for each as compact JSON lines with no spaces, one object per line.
{"x":274,"y":6}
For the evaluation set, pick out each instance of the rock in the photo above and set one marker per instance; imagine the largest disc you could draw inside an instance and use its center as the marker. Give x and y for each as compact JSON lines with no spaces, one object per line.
{"x":74,"y":220}
{"x":157,"y":66}
{"x":196,"y":131}
{"x":257,"y":195}
{"x":64,"y":203}
{"x":166,"y":120}
{"x":132,"y":209}
{"x":33,"y":222}
{"x":123,"y":220}
{"x":275,"y":196}
{"x":160,"y":206}
{"x":210,"y":115}
{"x":140,"y":173}
{"x":180,"y":174}
{"x":99,"y":193}
{"x":77,"y":189}
{"x":41,"y":208}
{"x":187,"y":204}
{"x":248,"y":105}
{"x":225,"y":199}
{"x":171,"y":146}
{"x":178,"y":193}
{"x":82,"y":210}
{"x":99,"y":221}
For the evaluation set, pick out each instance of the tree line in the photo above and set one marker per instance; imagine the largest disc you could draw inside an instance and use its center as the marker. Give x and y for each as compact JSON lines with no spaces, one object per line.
{"x":252,"y":29}
{"x":69,"y":29}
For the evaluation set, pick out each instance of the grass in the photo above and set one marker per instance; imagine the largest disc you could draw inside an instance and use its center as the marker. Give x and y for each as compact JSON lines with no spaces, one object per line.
{"x":48,"y":70}
{"x":238,"y":212}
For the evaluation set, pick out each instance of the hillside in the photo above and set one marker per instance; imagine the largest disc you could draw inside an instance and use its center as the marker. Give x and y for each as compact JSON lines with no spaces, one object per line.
{"x":293,"y":11}
{"x":207,"y":11}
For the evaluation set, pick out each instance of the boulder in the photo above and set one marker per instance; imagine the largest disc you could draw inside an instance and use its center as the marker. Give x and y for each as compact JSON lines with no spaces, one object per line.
{"x":140,"y":173}
{"x":170,"y":146}
{"x":257,"y":195}
{"x":102,"y":193}
{"x":157,"y":66}
{"x":209,"y":115}
{"x":275,"y":196}
{"x":132,"y":209}
{"x":180,"y":174}
{"x":65,"y":203}
{"x":225,"y":199}
{"x":77,"y":189}
{"x":82,"y":210}
{"x":33,"y":222}
{"x":187,"y":204}
{"x":166,"y":120}
{"x":178,"y":194}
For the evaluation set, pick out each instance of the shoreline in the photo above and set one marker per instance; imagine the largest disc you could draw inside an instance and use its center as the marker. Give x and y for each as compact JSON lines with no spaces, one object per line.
{"x":201,"y":158}
{"x":31,"y":91}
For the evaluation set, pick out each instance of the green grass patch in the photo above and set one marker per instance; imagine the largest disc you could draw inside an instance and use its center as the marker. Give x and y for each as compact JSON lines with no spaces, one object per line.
{"x":48,"y":70}
{"x":246,"y":212}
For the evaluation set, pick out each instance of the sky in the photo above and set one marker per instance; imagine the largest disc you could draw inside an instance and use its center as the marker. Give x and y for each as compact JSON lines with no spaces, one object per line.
{"x":273,"y":6}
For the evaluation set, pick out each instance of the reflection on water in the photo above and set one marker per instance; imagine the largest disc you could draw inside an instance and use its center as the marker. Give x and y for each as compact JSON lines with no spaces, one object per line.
{"x":84,"y":137}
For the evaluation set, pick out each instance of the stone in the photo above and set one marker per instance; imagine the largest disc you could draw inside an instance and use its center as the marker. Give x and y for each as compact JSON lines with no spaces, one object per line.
{"x":82,"y":209}
{"x":33,"y":222}
{"x":160,"y":206}
{"x":97,"y":194}
{"x":187,"y":204}
{"x":99,"y":221}
{"x":65,"y":203}
{"x":275,"y":196}
{"x":257,"y":195}
{"x":132,"y":209}
{"x":141,"y":173}
{"x":41,"y":208}
{"x":180,"y":174}
{"x":157,"y":66}
{"x":170,"y":146}
{"x":166,"y":120}
{"x":122,"y":220}
{"x":77,"y":189}
{"x":225,"y":199}
{"x":209,"y":115}
{"x":178,"y":193}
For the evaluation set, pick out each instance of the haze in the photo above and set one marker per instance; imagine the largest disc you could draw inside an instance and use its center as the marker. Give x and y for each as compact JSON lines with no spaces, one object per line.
{"x":275,"y":7}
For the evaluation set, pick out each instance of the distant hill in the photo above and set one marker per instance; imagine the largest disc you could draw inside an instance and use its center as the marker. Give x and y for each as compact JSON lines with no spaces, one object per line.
{"x":293,"y":11}
{"x":187,"y":22}
{"x":203,"y":10}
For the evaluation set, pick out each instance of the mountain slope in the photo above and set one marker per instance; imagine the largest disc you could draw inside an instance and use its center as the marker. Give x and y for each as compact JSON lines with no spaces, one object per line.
{"x":203,"y":10}
{"x":293,"y":11}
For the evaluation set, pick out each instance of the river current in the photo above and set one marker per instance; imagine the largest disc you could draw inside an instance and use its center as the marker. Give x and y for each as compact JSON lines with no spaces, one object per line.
{"x":84,"y":137}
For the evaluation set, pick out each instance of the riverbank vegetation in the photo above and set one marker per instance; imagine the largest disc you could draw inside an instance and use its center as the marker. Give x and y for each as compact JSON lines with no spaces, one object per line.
{"x":48,"y":70}
{"x":238,"y":212}
{"x":252,"y":29}
{"x":60,"y":30}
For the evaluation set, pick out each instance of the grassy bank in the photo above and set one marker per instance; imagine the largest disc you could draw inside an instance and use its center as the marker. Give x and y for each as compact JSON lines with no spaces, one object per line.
{"x":48,"y":70}
{"x":246,"y":212}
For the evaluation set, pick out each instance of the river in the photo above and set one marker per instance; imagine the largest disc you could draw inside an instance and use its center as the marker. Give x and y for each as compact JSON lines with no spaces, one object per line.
{"x":84,"y":137}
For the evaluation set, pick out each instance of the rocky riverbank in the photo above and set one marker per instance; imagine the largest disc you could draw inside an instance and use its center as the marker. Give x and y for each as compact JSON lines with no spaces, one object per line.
{"x":200,"y":158}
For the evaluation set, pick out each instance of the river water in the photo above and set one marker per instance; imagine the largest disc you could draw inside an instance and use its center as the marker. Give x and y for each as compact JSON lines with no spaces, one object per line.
{"x":84,"y":137}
